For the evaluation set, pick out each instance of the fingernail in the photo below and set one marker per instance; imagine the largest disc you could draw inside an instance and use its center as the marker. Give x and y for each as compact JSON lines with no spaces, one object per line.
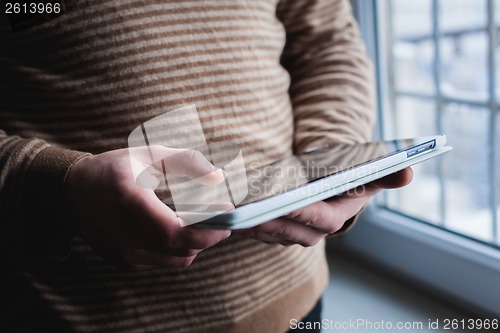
{"x":225,"y":235}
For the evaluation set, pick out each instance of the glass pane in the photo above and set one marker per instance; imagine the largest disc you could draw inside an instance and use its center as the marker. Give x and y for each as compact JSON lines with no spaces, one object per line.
{"x":464,"y":48}
{"x":464,"y":66}
{"x":415,"y":117}
{"x":418,"y":118}
{"x":466,"y":171}
{"x":455,"y":15}
{"x":412,"y":45}
{"x":413,"y":66}
{"x":411,"y":18}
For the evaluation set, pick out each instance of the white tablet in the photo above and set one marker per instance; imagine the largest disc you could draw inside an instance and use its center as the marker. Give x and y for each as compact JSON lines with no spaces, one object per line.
{"x":299,"y":180}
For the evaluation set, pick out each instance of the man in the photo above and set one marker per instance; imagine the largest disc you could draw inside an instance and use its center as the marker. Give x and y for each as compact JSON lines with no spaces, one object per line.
{"x":270,"y":76}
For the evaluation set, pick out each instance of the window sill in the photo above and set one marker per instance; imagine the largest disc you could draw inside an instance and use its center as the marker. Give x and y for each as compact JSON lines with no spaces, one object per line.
{"x":458,"y":269}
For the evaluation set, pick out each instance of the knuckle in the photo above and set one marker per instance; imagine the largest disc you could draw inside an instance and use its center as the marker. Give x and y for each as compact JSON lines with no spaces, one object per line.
{"x":318,"y":217}
{"x":282,"y":230}
{"x":194,"y":239}
{"x":203,"y":243}
{"x":249,"y":233}
{"x":310,"y":242}
{"x":192,"y":155}
{"x":182,"y":262}
{"x":188,"y":253}
{"x":294,"y":214}
{"x":333,"y":228}
{"x":164,"y":237}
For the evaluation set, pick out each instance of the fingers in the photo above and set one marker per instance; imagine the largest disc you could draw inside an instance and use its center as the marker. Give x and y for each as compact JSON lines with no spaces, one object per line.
{"x":395,"y":180}
{"x":285,"y":232}
{"x":124,"y":256}
{"x":306,"y":226}
{"x":197,"y":238}
{"x":140,"y":257}
{"x":163,"y":229}
{"x":131,"y":258}
{"x":327,"y":217}
{"x":265,"y":238}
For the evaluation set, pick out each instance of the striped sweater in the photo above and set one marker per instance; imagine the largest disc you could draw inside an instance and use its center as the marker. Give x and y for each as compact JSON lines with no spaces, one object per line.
{"x":272,"y":76}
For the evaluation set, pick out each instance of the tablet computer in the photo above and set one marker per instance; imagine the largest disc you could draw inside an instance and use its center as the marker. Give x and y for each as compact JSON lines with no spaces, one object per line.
{"x":296,"y":181}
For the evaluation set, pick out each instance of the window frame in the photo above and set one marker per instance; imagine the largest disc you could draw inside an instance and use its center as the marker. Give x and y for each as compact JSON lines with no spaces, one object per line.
{"x":462,"y":270}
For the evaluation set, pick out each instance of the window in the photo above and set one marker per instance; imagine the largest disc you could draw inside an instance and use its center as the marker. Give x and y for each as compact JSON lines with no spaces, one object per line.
{"x":441,"y":58}
{"x":438,"y":71}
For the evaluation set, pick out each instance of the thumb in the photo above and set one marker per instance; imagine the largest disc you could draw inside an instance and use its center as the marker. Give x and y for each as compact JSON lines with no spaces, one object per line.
{"x":179,"y":162}
{"x":395,"y":180}
{"x":192,"y":164}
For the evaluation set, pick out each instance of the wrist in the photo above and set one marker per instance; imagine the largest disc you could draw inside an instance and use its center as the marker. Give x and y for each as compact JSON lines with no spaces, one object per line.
{"x":74,"y":171}
{"x":43,"y":215}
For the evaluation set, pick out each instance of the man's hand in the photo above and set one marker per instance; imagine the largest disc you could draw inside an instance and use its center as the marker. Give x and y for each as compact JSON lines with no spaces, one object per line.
{"x":123,"y":220}
{"x":308,"y":225}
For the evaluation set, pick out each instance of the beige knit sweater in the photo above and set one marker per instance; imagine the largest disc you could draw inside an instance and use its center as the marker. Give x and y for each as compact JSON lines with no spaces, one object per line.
{"x":271,"y":76}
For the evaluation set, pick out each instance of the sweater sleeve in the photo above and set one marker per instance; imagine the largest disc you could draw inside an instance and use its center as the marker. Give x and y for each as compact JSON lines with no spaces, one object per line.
{"x":331,"y":77}
{"x":32,"y":201}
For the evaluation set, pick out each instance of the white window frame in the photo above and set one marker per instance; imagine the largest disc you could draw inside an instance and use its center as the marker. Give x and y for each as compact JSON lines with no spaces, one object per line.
{"x":463,"y":271}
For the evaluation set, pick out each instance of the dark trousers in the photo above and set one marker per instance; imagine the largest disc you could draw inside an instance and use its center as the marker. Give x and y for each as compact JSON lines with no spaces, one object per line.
{"x":312,"y":317}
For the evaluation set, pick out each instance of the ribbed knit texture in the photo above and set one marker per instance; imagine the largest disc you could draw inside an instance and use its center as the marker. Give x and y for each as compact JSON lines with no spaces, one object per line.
{"x":270,"y":76}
